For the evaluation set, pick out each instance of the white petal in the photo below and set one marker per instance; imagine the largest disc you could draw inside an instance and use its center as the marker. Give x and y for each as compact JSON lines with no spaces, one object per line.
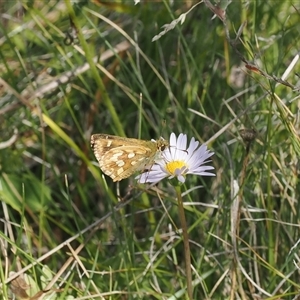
{"x":181,"y":178}
{"x":193,"y":146}
{"x":173,"y":140}
{"x":181,"y":141}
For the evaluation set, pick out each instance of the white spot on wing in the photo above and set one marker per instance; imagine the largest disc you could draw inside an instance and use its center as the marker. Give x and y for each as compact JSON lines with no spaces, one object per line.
{"x":120,"y":163}
{"x":131,"y":155}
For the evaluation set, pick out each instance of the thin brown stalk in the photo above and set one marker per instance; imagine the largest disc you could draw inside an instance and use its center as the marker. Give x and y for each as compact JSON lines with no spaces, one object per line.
{"x":187,"y":252}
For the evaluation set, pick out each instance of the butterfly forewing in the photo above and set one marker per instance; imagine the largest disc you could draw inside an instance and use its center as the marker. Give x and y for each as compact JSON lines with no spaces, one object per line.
{"x":120,"y":157}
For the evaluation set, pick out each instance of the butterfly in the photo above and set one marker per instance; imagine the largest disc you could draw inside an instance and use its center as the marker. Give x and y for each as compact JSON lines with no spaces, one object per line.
{"x":120,"y":157}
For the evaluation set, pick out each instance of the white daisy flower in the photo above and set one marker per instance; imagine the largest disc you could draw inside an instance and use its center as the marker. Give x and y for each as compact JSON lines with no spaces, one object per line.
{"x":177,"y":161}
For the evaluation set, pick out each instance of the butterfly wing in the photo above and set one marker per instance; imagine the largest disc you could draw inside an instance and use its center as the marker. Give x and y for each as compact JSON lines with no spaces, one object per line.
{"x":120,"y":157}
{"x":123,"y":161}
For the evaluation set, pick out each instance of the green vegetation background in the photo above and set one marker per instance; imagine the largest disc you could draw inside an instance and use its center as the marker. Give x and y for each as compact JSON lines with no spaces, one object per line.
{"x":71,"y":69}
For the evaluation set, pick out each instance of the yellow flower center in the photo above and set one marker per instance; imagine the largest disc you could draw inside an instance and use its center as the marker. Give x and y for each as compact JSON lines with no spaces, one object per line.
{"x":175,"y":164}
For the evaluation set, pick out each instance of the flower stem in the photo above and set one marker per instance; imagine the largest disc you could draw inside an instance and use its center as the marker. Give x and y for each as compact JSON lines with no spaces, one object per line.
{"x":187,"y":253}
